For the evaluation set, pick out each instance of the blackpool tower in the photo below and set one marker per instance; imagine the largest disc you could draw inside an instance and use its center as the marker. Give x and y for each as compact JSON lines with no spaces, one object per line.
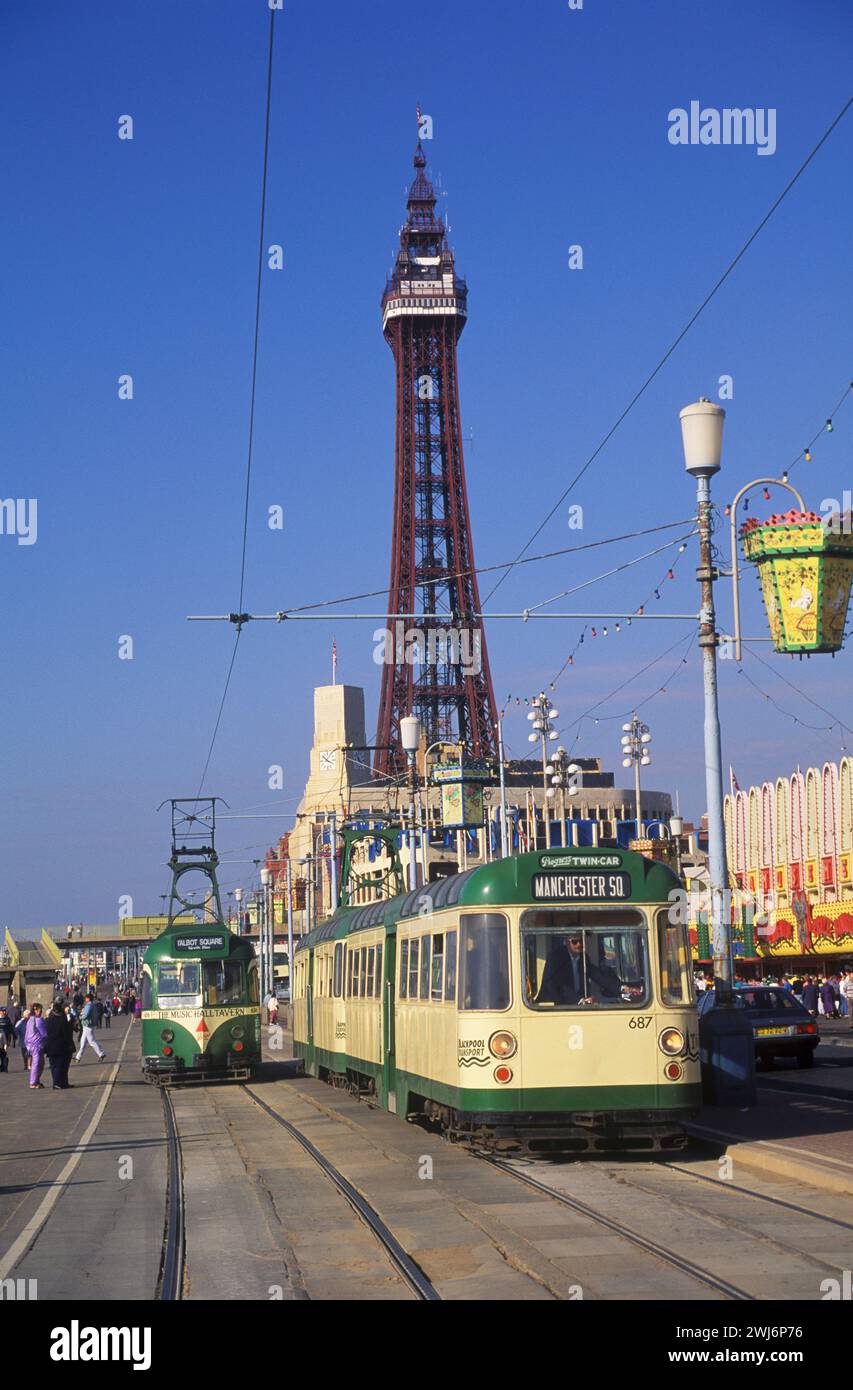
{"x":436,"y":663}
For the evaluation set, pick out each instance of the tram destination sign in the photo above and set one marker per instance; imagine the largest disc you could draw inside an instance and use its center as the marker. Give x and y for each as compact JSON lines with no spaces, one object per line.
{"x":581,"y":887}
{"x":202,"y":943}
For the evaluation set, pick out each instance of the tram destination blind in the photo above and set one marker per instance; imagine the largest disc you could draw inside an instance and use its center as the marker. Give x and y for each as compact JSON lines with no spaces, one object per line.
{"x":577,"y":887}
{"x":197,"y":945}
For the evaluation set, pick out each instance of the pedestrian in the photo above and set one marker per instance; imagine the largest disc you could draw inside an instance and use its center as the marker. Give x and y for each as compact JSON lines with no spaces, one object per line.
{"x":99,"y":1012}
{"x":20,"y":1029}
{"x":272,"y":1010}
{"x":87,"y":1019}
{"x":108,"y":1012}
{"x":7,"y":1038}
{"x":59,"y":1046}
{"x":827,"y":998}
{"x":847,"y":992}
{"x":34,"y":1040}
{"x":810,"y":995}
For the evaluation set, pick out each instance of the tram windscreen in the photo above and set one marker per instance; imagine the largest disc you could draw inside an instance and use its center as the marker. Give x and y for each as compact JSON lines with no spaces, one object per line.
{"x":179,"y":984}
{"x":483,"y":961}
{"x":597,"y":958}
{"x":223,"y":983}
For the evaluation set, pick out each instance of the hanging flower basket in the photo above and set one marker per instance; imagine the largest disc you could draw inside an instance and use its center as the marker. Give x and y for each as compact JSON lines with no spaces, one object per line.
{"x":805,"y":566}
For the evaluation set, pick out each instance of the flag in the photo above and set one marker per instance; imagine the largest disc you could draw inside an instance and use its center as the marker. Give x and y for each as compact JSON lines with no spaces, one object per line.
{"x":334,"y":662}
{"x":733,"y":781}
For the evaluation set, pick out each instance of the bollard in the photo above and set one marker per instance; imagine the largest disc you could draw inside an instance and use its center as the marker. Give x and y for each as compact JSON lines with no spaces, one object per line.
{"x":727,"y":1057}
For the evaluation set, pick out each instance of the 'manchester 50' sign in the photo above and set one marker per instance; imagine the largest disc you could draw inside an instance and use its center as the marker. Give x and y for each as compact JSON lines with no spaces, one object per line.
{"x":577,"y":887}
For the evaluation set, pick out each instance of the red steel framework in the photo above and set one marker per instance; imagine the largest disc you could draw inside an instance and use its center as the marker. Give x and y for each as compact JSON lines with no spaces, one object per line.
{"x":448,"y":684}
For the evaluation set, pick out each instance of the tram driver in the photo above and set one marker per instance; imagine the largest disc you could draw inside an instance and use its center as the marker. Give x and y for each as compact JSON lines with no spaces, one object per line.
{"x":571,"y":978}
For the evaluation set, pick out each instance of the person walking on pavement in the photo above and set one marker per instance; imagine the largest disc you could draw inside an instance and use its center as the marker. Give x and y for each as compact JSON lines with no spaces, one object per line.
{"x":59,"y":1046}
{"x":20,"y":1029}
{"x":108,"y":1012}
{"x":7,"y":1038}
{"x":810,"y":995}
{"x":34,"y":1040}
{"x":87,"y":1018}
{"x":847,"y":991}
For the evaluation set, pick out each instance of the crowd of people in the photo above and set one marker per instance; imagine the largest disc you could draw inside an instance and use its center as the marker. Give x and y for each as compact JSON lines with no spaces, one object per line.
{"x":824,"y":995}
{"x":60,"y":1033}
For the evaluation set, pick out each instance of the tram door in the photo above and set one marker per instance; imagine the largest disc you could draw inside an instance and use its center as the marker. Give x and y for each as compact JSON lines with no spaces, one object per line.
{"x":389,"y":1067}
{"x":310,"y":1065}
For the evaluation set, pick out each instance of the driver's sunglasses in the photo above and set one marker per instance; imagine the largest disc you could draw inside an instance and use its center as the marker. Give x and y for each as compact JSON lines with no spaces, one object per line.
{"x":576,"y":940}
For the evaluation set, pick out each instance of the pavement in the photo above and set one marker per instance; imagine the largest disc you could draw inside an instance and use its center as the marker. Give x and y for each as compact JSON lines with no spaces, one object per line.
{"x":802,"y":1127}
{"x":82,"y":1177}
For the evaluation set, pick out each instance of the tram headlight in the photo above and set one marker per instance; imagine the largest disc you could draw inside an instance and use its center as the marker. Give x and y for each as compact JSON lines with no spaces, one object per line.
{"x":167,"y":1035}
{"x":237,"y":1030}
{"x":671,"y":1042}
{"x":503,"y":1045}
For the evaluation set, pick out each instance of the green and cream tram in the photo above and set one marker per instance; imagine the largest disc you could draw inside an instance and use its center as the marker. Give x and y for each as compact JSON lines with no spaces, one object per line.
{"x":544,"y":1001}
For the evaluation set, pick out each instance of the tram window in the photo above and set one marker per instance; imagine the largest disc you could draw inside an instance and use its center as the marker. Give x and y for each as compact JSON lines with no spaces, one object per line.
{"x":252,"y":980}
{"x":363,"y":973}
{"x":146,"y":990}
{"x":350,"y":970}
{"x":425,"y":944}
{"x":437,"y":966}
{"x":339,"y":968}
{"x":179,"y":982}
{"x":676,"y":976}
{"x":592,"y":958}
{"x":378,"y":971}
{"x":371,"y":962}
{"x":414,"y":956}
{"x":484,"y":964}
{"x":223,"y":982}
{"x":450,"y":966}
{"x":404,"y":969}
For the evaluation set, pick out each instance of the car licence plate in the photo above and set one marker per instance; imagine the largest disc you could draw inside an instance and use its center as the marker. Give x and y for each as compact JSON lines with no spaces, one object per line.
{"x":774,"y":1032}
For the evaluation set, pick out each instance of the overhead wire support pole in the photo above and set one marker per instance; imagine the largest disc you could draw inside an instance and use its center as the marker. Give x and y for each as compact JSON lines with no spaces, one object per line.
{"x":527,"y":615}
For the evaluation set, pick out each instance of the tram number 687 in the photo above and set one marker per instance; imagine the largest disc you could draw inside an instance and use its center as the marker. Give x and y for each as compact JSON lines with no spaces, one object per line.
{"x":641,"y":1022}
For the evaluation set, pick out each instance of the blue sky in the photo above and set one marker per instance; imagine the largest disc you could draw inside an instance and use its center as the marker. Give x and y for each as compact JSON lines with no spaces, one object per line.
{"x":550,"y":129}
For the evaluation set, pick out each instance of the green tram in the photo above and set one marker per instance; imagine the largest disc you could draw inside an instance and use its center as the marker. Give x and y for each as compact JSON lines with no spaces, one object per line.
{"x":201,"y":1018}
{"x":542,"y":1002}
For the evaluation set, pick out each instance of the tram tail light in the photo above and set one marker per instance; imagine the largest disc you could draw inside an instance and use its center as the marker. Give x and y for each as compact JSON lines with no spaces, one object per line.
{"x":503,"y":1074}
{"x":167,"y":1051}
{"x":503,"y":1045}
{"x":673,"y":1071}
{"x":671,"y":1042}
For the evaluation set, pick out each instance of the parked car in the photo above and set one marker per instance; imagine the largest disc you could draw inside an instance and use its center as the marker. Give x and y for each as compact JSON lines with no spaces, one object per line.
{"x":782,"y":1027}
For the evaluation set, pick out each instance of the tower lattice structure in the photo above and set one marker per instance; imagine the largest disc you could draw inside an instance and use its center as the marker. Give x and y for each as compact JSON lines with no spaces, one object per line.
{"x":424,"y":310}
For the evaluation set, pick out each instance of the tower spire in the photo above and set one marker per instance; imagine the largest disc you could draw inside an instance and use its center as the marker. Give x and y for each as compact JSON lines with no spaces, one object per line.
{"x":437,"y":667}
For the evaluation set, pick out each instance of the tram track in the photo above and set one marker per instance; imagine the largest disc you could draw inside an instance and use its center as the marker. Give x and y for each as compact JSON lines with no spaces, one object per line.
{"x":408,"y":1268}
{"x":170,"y":1282}
{"x":651,"y":1247}
{"x":727,"y":1186}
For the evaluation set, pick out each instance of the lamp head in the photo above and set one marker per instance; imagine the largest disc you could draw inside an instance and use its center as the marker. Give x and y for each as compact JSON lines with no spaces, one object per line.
{"x":702,"y":437}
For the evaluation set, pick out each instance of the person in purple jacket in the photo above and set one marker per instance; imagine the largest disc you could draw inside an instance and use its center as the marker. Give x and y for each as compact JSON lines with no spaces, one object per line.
{"x":34,"y":1040}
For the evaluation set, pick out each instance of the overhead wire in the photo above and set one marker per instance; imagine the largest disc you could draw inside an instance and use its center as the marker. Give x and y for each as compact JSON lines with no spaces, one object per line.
{"x":671,"y":349}
{"x":251,"y":438}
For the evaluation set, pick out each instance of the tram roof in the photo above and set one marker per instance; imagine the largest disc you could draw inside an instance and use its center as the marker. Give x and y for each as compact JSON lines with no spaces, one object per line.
{"x":163,"y":946}
{"x":503,"y":883}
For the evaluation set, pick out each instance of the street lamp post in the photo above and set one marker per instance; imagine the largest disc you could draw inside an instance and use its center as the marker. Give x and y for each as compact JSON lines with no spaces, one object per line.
{"x":541,"y":717}
{"x":289,"y":890}
{"x":410,"y":738}
{"x":702,"y":434}
{"x":267,"y":929}
{"x":636,"y":738}
{"x":501,"y":773}
{"x":558,"y":769}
